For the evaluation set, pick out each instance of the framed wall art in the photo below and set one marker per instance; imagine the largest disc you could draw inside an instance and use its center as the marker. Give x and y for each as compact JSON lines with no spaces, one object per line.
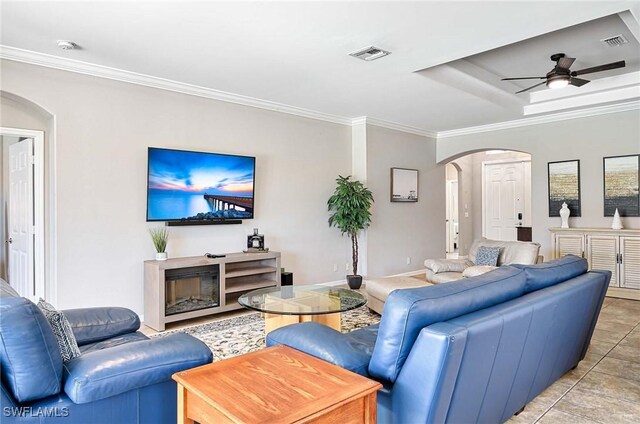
{"x":621,"y":178}
{"x":564,"y":187}
{"x":404,"y":185}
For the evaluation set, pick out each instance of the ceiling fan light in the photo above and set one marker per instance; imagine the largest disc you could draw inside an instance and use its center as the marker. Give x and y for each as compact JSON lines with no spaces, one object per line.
{"x":559,"y":81}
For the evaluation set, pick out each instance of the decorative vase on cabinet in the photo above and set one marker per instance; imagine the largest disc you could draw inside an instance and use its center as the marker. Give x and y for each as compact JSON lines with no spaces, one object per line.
{"x":564,"y":215}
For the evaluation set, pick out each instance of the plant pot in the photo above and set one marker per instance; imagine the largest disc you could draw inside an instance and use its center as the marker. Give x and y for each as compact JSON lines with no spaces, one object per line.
{"x":161,"y":256}
{"x":354,"y":281}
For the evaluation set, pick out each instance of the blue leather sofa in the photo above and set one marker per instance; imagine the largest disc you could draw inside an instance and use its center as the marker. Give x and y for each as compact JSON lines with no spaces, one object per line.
{"x":121,"y":377}
{"x":471,"y":351}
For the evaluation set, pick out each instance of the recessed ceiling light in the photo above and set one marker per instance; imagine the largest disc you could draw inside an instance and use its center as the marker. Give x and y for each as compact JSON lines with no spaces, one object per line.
{"x":370,"y":53}
{"x":66,"y":45}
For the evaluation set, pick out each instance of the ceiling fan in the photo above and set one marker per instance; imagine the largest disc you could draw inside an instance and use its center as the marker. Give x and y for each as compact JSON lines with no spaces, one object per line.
{"x":561,"y":75}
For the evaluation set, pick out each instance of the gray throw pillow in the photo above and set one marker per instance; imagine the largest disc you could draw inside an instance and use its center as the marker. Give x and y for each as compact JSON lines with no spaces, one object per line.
{"x":487,"y":255}
{"x":62,"y":330}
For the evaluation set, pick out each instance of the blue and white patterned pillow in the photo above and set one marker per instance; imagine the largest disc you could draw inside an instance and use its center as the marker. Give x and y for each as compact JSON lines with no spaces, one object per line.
{"x":62,"y":330}
{"x":487,"y":255}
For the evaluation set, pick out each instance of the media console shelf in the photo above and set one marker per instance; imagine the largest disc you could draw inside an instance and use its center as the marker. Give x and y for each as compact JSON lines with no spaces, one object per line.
{"x":213,"y":287}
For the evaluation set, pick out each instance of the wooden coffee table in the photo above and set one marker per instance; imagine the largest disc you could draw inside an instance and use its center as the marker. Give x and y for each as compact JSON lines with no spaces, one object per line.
{"x":276,"y":384}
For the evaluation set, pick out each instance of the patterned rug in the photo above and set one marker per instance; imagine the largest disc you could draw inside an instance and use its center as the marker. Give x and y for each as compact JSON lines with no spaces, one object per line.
{"x":235,"y":336}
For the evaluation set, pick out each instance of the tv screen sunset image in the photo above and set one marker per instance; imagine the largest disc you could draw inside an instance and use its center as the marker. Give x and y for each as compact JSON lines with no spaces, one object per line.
{"x":185,"y":185}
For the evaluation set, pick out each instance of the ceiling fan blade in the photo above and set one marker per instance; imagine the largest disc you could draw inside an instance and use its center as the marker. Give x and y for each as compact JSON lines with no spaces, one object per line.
{"x":607,"y":67}
{"x":533,"y":86}
{"x":565,"y":62}
{"x":520,"y":78}
{"x":578,"y":82}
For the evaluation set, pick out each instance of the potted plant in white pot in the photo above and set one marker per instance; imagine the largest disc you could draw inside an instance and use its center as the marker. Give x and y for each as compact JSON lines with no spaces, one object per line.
{"x":160,"y":237}
{"x":349,"y":206}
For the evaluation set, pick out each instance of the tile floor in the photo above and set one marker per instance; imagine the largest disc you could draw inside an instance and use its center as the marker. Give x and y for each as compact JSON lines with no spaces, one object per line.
{"x":604,"y":388}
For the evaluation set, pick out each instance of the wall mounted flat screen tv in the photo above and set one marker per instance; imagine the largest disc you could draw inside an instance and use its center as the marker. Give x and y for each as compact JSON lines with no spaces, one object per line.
{"x":198,"y":186}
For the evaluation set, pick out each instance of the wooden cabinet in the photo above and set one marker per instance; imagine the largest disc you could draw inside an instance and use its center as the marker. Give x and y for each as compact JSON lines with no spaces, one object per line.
{"x":234,"y":275}
{"x":617,"y":251}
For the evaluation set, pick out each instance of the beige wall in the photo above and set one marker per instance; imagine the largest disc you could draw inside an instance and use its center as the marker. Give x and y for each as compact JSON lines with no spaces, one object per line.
{"x":103,"y":129}
{"x":587,"y":139}
{"x":401,"y":230}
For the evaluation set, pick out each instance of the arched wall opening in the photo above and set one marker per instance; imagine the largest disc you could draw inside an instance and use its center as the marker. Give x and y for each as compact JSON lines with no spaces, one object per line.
{"x":19,"y":113}
{"x":493,"y":196}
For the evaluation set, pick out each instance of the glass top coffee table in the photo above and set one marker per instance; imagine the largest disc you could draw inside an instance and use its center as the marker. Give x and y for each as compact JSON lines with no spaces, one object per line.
{"x":292,"y":304}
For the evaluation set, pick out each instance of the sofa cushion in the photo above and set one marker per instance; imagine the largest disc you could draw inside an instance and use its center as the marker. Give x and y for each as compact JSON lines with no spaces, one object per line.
{"x":474,"y":271}
{"x":487,"y":255}
{"x":381,"y":287}
{"x":92,"y":325}
{"x":447,"y":265}
{"x":512,"y":252}
{"x":407,"y":311}
{"x":553,"y":272}
{"x":61,"y":329}
{"x":29,"y":355}
{"x":442,"y":277}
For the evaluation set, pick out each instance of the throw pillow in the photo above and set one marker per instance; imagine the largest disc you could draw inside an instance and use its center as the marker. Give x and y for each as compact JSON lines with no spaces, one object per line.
{"x":62,"y":330}
{"x":487,"y":255}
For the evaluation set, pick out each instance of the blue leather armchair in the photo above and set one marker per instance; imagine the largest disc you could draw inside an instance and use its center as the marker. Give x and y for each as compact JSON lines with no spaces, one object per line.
{"x":121,"y":377}
{"x":473,"y":350}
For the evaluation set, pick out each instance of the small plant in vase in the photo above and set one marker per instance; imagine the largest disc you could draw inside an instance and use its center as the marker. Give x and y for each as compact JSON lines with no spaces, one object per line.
{"x":160,"y":237}
{"x":350,"y":204}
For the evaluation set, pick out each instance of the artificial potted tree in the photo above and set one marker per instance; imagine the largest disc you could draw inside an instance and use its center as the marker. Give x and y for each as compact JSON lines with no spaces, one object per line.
{"x":349,"y":206}
{"x":160,"y":237}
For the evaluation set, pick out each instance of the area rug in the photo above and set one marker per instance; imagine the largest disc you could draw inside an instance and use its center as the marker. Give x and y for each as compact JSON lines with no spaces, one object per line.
{"x":235,"y":336}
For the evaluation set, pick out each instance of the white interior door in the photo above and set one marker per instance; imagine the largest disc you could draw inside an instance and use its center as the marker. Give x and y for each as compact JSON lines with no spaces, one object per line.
{"x":504,"y":189}
{"x":453,"y":221}
{"x":20,"y":218}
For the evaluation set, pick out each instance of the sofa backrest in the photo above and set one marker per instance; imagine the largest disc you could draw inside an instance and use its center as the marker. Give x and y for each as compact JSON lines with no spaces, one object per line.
{"x":407,"y":311}
{"x":29,"y":354}
{"x":553,"y":272}
{"x":486,"y":365}
{"x":511,"y":252}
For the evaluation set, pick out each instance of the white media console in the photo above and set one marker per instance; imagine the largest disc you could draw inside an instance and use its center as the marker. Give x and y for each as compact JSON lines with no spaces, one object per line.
{"x":213,"y":287}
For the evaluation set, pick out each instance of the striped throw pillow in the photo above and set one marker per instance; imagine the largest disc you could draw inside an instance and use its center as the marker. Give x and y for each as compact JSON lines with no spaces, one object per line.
{"x":62,"y":330}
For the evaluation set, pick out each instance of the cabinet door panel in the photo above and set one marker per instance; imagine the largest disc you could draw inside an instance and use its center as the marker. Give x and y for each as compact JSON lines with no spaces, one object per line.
{"x":602,"y":253}
{"x":569,"y":244}
{"x":630,"y":267}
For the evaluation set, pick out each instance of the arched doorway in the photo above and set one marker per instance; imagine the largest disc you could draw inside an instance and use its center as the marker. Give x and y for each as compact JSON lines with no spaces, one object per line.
{"x":24,"y":123}
{"x":494,"y":195}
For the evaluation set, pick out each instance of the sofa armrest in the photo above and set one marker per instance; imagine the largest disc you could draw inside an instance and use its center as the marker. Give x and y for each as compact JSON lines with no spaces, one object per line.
{"x":447,"y":265}
{"x":325,"y":343}
{"x":109,"y":372}
{"x":91,"y":325}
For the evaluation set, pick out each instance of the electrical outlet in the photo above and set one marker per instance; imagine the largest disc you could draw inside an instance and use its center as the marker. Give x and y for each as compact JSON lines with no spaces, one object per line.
{"x":346,"y":266}
{"x":408,"y":260}
{"x":335,"y":267}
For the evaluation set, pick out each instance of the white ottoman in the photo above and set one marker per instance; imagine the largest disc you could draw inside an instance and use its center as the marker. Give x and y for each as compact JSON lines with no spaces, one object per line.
{"x":379,"y":288}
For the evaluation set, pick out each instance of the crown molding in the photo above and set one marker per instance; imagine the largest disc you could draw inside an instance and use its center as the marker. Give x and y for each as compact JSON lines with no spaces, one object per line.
{"x":70,"y":65}
{"x":49,"y":61}
{"x":393,"y":126}
{"x":525,"y":122}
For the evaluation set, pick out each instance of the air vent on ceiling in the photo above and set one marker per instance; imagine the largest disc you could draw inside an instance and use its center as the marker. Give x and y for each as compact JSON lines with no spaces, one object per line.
{"x":615,"y":41}
{"x":370,"y":53}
